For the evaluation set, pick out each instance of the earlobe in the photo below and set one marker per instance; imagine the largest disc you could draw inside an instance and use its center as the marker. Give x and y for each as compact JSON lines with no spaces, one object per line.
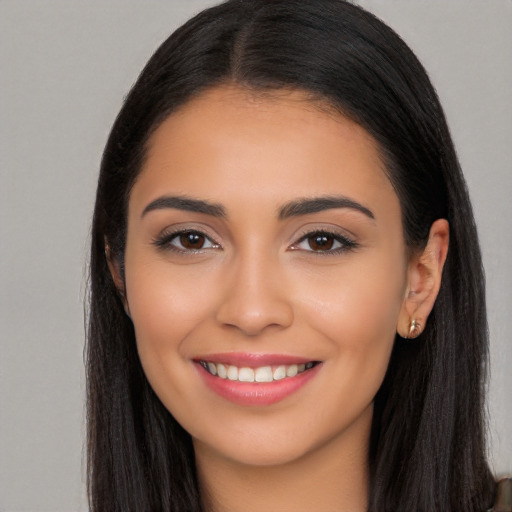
{"x":115,"y":272}
{"x":424,"y":281}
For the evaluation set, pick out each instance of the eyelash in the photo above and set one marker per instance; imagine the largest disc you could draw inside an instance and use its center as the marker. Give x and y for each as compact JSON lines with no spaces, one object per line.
{"x":164,"y":241}
{"x":346,"y":244}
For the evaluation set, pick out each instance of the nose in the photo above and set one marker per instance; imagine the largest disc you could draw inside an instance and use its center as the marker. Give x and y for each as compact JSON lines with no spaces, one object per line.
{"x":255,"y":297}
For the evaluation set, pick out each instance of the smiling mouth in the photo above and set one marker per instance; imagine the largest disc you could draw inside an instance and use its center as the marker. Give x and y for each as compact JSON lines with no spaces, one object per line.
{"x":260,"y":374}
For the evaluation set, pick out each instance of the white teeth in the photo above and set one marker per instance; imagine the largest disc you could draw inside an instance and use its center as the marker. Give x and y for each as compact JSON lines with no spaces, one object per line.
{"x":292,"y":370}
{"x":280,"y":373}
{"x":221,"y":371}
{"x":263,"y":374}
{"x":233,"y":373}
{"x":212,"y":368}
{"x":246,"y":375}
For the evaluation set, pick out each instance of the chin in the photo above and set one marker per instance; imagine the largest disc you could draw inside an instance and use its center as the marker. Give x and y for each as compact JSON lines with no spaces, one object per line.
{"x":266,"y":446}
{"x":263,"y":454}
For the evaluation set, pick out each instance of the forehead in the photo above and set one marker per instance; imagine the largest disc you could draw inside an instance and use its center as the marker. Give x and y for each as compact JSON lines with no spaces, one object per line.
{"x":268,"y":144}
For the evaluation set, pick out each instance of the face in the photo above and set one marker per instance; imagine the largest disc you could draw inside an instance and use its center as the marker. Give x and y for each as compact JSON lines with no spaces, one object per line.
{"x":265,"y":273}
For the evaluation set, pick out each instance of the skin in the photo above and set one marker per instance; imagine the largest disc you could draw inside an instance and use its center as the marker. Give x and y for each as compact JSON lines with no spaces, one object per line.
{"x":258,"y":286}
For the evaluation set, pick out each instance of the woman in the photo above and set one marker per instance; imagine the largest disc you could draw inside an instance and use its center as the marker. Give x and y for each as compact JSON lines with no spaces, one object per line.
{"x":287,"y":301}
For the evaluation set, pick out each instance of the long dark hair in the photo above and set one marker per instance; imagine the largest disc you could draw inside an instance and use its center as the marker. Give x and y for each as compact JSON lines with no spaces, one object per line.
{"x":427,"y":446}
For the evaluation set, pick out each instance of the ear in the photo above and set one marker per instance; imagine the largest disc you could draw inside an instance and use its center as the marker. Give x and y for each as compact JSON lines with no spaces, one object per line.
{"x":423,"y":281}
{"x":115,"y":271}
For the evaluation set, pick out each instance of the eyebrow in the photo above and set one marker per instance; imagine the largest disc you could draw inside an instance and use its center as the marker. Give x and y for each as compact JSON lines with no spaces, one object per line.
{"x":318,"y":204}
{"x":187,"y":204}
{"x":294,"y":208}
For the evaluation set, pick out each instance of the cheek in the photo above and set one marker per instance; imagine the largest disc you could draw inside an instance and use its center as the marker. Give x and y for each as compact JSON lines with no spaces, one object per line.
{"x":364,"y":298}
{"x":356,"y":309}
{"x":166,"y":304}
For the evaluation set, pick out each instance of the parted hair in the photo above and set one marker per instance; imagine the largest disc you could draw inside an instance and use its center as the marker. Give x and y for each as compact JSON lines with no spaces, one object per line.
{"x":427,"y":448}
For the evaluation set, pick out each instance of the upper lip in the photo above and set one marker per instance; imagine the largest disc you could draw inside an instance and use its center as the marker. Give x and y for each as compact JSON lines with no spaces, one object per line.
{"x":253,"y":360}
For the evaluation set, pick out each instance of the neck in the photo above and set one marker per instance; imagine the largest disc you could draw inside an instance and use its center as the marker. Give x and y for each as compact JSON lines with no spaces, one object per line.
{"x":330,"y":478}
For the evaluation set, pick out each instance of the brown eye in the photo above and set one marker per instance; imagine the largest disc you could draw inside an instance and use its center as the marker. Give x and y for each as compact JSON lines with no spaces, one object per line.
{"x":320,"y":242}
{"x":323,"y":242}
{"x":192,"y":240}
{"x":186,"y":241}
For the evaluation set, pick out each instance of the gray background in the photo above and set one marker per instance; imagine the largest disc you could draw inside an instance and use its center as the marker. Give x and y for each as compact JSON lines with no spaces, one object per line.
{"x":64,"y":69}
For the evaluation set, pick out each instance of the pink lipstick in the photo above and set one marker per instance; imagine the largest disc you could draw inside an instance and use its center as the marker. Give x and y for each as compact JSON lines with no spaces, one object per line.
{"x":255,"y":379}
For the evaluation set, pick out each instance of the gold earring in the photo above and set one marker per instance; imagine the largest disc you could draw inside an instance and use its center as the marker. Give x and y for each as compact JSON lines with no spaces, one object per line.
{"x":412,"y":328}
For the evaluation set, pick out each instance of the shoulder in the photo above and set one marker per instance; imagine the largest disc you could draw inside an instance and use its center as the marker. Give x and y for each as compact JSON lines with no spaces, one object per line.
{"x":503,"y":500}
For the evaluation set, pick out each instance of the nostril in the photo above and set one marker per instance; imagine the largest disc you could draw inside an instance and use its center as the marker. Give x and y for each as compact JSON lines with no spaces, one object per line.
{"x":254,"y":317}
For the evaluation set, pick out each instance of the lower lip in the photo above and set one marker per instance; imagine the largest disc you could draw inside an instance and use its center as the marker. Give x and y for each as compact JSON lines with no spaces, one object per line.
{"x":257,"y":393}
